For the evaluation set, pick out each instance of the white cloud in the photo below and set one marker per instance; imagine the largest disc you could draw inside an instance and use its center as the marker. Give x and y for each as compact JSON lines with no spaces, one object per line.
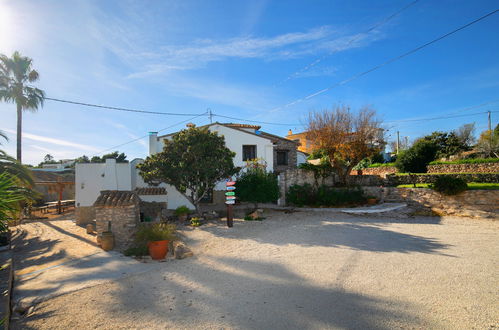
{"x":55,"y":141}
{"x":281,"y":47}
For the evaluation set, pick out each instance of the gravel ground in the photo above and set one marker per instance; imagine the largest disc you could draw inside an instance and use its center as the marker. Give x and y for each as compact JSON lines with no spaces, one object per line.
{"x":307,"y":270}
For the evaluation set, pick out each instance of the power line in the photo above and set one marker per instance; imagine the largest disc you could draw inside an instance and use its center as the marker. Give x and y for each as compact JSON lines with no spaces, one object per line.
{"x":412,"y":51}
{"x":351,"y":41}
{"x":120,"y":109}
{"x":443,"y":117}
{"x":142,"y":137}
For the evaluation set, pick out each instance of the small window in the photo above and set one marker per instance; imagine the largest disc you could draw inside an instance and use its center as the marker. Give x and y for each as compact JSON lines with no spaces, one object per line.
{"x":282,"y":157}
{"x":249,"y":152}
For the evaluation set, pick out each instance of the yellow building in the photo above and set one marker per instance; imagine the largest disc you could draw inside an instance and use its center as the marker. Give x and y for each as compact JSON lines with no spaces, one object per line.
{"x":305,"y":145}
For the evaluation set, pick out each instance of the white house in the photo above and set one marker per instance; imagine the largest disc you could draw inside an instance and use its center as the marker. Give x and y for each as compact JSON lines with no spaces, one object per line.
{"x":246,"y":141}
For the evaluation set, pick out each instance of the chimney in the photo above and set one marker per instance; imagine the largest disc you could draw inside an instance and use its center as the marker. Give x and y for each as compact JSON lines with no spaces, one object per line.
{"x":290,"y":132}
{"x":153,"y":143}
{"x":190,"y":125}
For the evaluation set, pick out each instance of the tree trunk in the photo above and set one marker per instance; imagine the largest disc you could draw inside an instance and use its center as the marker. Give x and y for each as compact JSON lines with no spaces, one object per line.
{"x":19,"y":131}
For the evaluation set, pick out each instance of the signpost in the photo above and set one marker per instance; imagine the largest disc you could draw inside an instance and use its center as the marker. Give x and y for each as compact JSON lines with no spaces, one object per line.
{"x":230,"y":199}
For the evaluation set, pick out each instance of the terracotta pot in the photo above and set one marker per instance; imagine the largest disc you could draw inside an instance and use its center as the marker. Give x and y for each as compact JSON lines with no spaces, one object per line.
{"x":158,"y":249}
{"x":90,"y":228}
{"x":107,"y":241}
{"x":371,"y":201}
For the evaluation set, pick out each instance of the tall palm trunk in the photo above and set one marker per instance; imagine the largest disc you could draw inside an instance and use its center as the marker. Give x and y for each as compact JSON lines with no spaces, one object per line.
{"x":19,"y":131}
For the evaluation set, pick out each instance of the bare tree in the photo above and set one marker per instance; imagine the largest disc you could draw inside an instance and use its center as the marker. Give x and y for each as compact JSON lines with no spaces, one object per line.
{"x":466,"y":134}
{"x":346,"y":137}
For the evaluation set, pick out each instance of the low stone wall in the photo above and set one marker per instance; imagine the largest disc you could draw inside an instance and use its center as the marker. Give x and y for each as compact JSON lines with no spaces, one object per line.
{"x":84,"y":215}
{"x":471,"y":203}
{"x":124,"y":221}
{"x":381,"y":171}
{"x":395,"y":180}
{"x":464,"y":168}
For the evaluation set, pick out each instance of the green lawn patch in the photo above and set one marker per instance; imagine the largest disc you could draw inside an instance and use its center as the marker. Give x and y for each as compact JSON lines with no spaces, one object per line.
{"x":471,"y":186}
{"x":468,"y":161}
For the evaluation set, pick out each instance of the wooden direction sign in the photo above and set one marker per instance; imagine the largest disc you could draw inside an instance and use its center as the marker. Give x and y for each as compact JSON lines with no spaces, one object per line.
{"x":231,"y":188}
{"x":230,"y":202}
{"x":230,"y":183}
{"x":230,"y":193}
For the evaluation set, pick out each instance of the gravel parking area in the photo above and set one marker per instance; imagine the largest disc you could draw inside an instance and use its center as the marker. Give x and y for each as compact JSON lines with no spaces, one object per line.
{"x":304,"y":270}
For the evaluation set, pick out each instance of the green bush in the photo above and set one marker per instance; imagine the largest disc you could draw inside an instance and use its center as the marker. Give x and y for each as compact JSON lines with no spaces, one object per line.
{"x":138,"y":250}
{"x":448,"y":185}
{"x":416,"y":158}
{"x":182,"y":210}
{"x":155,"y":232}
{"x":301,"y":195}
{"x":257,"y":186}
{"x":468,"y":161}
{"x":382,"y":165}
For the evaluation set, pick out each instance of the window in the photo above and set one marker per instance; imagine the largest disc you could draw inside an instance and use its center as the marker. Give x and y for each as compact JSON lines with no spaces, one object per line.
{"x":282,"y":157}
{"x":249,"y":152}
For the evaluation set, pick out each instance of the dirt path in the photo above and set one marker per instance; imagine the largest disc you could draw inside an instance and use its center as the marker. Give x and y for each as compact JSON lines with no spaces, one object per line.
{"x":304,"y":270}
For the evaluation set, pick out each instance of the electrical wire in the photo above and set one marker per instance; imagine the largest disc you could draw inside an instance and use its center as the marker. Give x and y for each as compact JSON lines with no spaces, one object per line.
{"x":394,"y":59}
{"x":350,"y":42}
{"x":120,"y":109}
{"x":142,"y":137}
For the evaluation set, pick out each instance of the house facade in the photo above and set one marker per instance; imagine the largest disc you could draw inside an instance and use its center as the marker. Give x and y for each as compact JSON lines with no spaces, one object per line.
{"x":246,"y":141}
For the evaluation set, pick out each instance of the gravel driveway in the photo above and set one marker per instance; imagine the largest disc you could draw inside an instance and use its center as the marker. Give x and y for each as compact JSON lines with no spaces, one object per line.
{"x":305,"y":270}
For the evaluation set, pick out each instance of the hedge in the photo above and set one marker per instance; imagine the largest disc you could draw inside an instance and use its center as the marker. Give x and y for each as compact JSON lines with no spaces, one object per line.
{"x":382,"y":165}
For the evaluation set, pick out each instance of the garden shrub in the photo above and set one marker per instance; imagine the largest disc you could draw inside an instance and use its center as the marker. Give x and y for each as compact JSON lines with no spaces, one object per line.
{"x":301,"y":195}
{"x":416,"y":158}
{"x":449,"y":185}
{"x":257,"y":186}
{"x":381,"y":165}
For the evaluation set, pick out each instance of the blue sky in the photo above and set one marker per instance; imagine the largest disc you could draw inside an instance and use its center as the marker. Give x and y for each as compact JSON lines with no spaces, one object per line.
{"x":243,"y":59}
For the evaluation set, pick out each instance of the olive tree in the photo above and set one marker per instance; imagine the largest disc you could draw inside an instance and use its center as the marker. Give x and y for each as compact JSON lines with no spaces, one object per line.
{"x":193,"y":161}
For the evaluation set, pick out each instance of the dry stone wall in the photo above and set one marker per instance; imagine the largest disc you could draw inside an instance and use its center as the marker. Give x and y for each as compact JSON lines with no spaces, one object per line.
{"x":471,"y":203}
{"x":464,"y":168}
{"x":124,"y":221}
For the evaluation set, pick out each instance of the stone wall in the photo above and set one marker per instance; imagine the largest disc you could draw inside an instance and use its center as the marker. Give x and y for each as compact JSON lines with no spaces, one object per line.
{"x":290,"y":147}
{"x":464,"y":168}
{"x":381,"y":171}
{"x":471,"y":203}
{"x":152,"y":210}
{"x":84,"y":215}
{"x":124,"y":221}
{"x":394,"y":180}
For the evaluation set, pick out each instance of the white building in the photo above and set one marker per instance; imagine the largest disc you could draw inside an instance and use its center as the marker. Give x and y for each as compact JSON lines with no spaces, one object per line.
{"x":246,"y":141}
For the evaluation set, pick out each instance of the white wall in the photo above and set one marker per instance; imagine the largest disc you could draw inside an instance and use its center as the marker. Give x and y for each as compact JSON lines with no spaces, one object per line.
{"x":92,"y":178}
{"x":300,"y":158}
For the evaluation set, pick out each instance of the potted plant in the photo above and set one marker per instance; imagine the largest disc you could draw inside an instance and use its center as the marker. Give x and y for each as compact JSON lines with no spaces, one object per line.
{"x":371,"y":200}
{"x":157,"y":237}
{"x":182,"y":212}
{"x":195,"y":221}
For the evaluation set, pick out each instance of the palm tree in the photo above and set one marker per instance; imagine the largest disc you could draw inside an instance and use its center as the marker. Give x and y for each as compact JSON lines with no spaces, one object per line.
{"x":16,"y":73}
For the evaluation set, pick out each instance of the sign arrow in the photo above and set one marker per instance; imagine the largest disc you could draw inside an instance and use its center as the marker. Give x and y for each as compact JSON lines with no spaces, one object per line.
{"x":230,"y":193}
{"x":230,"y":183}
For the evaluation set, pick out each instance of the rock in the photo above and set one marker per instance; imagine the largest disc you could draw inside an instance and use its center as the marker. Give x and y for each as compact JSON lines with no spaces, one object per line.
{"x":255,"y":215}
{"x":180,"y":251}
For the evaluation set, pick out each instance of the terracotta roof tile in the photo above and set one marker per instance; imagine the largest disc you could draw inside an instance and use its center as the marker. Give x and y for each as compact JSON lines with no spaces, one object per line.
{"x":116,"y":198}
{"x":150,"y":191}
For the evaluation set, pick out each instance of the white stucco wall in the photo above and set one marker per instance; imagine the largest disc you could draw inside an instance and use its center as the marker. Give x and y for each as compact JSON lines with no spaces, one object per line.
{"x":92,"y":178}
{"x":300,"y":158}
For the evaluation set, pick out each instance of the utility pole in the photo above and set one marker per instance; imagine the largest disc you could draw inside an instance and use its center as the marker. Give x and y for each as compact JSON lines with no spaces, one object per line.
{"x":210,"y":115}
{"x":406,"y":146}
{"x":490,"y":132}
{"x":398,"y":142}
